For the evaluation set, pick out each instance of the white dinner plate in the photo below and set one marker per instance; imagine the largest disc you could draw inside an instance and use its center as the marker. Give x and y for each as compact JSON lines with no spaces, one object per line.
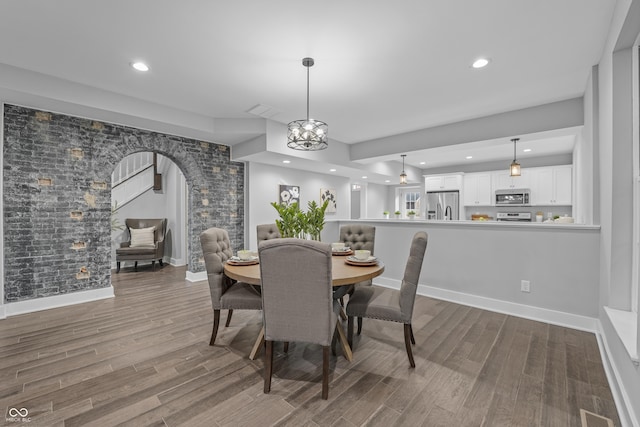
{"x":238,"y":259}
{"x":368,"y":260}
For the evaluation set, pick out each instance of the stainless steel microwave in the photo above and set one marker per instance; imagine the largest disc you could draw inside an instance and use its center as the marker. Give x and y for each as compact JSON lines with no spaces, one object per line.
{"x":513,"y":197}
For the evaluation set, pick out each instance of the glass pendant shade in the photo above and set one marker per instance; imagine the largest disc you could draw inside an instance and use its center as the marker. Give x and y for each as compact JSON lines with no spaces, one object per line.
{"x":514,"y":169}
{"x":403,"y":176}
{"x":307,"y":134}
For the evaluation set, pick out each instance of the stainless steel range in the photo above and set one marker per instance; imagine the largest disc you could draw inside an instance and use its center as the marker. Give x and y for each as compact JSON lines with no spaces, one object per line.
{"x":513,"y":216}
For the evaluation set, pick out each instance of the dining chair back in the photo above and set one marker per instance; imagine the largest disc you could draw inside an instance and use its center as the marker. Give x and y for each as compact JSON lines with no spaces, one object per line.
{"x":267,"y":232}
{"x":225,"y":293}
{"x":297,"y":298}
{"x":366,"y":302}
{"x":358,"y":236}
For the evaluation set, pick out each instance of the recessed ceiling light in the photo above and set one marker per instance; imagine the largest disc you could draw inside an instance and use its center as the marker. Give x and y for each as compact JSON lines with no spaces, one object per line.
{"x":480,"y":62}
{"x":286,"y":161}
{"x":526,"y":150}
{"x":364,"y":176}
{"x":140,"y":66}
{"x":422,"y":163}
{"x":332,"y":170}
{"x":469,"y":157}
{"x":387,"y":180}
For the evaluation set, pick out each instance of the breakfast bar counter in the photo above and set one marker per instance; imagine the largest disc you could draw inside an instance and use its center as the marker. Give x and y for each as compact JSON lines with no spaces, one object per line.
{"x":490,"y":264}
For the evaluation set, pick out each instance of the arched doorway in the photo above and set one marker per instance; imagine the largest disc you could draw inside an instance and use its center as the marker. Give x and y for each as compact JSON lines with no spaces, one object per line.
{"x":149,"y":185}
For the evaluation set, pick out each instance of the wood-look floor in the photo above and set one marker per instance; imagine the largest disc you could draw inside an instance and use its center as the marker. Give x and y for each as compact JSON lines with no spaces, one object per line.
{"x":142,"y":358}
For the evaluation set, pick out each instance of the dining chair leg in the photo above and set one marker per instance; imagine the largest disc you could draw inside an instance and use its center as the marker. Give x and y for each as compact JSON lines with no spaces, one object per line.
{"x":216,"y":322}
{"x":135,"y":266}
{"x":229,"y":314}
{"x":268,"y":366}
{"x":285,"y":347}
{"x":350,"y":331}
{"x":334,"y":339}
{"x":325,"y":372}
{"x":359,"y":325}
{"x":407,"y":343}
{"x":413,"y":340}
{"x":118,"y":267}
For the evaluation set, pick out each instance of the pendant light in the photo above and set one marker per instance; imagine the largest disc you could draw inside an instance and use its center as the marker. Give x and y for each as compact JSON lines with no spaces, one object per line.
{"x":514,"y":170}
{"x":403,"y":176}
{"x":308,"y":134}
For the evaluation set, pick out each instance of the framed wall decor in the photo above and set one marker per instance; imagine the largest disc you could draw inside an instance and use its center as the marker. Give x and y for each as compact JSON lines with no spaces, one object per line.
{"x":330,"y":195}
{"x":289,"y":194}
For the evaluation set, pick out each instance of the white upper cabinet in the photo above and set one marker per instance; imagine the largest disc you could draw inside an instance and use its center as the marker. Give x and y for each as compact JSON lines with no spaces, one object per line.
{"x":477,"y":189}
{"x":502,"y":180}
{"x":552,"y":186}
{"x":443,"y":182}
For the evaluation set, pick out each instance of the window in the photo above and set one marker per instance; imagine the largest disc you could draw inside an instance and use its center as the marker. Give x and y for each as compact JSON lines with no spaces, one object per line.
{"x":410,"y":200}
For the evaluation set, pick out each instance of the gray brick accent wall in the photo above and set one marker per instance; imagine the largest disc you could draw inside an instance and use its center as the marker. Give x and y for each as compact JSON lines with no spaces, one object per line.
{"x":57,"y":198}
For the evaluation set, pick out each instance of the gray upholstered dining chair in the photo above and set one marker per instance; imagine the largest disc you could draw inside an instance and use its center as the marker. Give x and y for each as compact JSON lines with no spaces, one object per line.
{"x":366,"y":302}
{"x":267,"y":232}
{"x":225,"y":293}
{"x":297,"y":299}
{"x":356,"y":236}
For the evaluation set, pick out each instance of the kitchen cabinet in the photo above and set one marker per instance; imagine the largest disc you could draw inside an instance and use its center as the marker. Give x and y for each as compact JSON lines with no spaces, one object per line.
{"x":443,"y":182}
{"x":552,"y":186}
{"x":477,"y":189}
{"x":502,"y":180}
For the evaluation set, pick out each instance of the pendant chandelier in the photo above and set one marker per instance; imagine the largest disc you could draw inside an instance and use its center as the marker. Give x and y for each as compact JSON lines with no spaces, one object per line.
{"x":514,"y":170}
{"x":308,"y":134}
{"x":403,"y":176}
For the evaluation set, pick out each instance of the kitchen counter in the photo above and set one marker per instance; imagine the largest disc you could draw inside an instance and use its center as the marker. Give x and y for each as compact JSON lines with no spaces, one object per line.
{"x":488,"y":224}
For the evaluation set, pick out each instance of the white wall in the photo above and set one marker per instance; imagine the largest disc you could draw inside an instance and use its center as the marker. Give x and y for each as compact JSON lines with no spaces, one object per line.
{"x":377,"y":200}
{"x":263,"y":183}
{"x":615,"y":210}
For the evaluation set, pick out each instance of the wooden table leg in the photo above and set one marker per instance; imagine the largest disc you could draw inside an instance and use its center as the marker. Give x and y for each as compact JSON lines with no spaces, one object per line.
{"x":346,"y":348}
{"x":258,"y":345}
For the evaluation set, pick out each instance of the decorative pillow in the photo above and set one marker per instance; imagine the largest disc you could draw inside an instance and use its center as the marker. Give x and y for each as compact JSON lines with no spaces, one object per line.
{"x":142,"y":237}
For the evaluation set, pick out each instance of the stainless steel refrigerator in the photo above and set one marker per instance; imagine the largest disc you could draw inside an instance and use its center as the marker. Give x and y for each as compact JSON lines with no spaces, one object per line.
{"x":443,"y":205}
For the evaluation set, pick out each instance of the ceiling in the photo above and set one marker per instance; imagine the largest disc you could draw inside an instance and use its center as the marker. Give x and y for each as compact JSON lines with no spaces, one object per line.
{"x":381,"y":68}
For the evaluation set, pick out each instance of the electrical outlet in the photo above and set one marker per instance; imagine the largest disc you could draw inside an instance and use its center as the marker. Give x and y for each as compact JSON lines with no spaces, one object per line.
{"x":525,"y":286}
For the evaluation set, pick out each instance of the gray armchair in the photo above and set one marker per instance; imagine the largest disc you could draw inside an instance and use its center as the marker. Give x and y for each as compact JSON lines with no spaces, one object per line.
{"x":297,"y":299}
{"x":140,"y":246}
{"x":225,"y":293}
{"x":365,"y":301}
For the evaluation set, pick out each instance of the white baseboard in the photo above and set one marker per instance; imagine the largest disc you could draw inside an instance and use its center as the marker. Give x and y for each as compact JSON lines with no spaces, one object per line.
{"x":196,"y":277}
{"x":38,"y":304}
{"x":177,"y":262}
{"x":553,"y":317}
{"x":622,"y":399}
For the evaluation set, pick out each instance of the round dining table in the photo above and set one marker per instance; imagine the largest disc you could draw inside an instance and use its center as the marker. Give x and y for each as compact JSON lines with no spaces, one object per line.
{"x":342,"y":273}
